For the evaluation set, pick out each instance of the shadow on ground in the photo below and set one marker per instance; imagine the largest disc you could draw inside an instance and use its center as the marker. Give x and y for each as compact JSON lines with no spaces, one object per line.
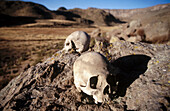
{"x":131,"y":67}
{"x":7,"y":21}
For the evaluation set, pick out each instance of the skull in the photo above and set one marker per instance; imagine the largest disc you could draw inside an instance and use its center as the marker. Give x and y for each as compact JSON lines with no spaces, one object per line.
{"x":90,"y":76}
{"x":78,"y":40}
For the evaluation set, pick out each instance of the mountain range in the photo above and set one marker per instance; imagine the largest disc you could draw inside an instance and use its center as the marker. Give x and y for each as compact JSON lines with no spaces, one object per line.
{"x":27,"y":12}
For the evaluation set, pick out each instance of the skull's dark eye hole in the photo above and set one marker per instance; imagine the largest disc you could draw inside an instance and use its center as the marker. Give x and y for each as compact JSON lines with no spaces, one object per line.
{"x":67,"y":44}
{"x":93,"y":82}
{"x":106,"y":90}
{"x":73,"y":45}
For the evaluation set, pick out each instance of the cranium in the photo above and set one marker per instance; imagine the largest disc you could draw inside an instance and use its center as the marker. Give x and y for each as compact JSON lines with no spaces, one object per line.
{"x":90,"y":76}
{"x":77,"y":40}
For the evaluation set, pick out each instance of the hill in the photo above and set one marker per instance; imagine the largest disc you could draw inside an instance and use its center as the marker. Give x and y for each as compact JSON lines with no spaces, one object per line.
{"x":28,"y":12}
{"x":21,"y":9}
{"x":25,"y":9}
{"x":130,"y":14}
{"x":96,"y":16}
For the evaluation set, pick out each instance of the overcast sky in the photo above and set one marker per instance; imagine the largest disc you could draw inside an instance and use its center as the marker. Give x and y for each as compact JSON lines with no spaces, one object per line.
{"x":106,"y":4}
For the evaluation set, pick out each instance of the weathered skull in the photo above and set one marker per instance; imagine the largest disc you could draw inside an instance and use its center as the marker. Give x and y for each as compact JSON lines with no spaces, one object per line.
{"x":90,"y":74}
{"x":78,"y":40}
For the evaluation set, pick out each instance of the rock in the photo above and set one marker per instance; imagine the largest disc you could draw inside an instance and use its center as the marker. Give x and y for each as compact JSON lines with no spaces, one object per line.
{"x":114,"y":32}
{"x":96,"y":33}
{"x":158,"y":32}
{"x":142,"y":82}
{"x":135,"y":24}
{"x":132,"y":27}
{"x":25,"y":67}
{"x":132,"y":39}
{"x":135,"y":39}
{"x":132,"y":32}
{"x":114,"y":39}
{"x":152,"y":87}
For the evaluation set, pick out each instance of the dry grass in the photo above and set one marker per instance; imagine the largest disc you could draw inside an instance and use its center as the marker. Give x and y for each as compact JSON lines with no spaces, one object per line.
{"x":107,"y":29}
{"x":37,"y":33}
{"x":49,"y":22}
{"x":61,"y":21}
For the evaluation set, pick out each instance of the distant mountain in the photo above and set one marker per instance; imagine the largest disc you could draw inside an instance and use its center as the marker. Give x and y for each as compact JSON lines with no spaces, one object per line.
{"x":27,"y":12}
{"x":25,"y":9}
{"x":29,"y":9}
{"x":141,"y":13}
{"x":96,"y":16}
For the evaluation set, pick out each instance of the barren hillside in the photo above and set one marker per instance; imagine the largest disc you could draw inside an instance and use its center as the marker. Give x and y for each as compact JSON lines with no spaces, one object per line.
{"x":18,"y":10}
{"x":25,"y":9}
{"x":97,"y":16}
{"x":27,"y":12}
{"x":130,"y":14}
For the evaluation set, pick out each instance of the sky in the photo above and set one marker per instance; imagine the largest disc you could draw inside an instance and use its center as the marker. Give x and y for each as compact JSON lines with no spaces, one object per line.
{"x":103,"y":4}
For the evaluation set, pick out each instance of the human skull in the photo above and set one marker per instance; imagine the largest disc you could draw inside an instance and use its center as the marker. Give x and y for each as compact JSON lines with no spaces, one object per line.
{"x":77,"y":40}
{"x":90,"y":76}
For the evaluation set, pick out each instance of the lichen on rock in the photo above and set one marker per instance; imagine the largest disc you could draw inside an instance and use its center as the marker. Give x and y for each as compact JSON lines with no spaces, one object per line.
{"x":142,"y":84}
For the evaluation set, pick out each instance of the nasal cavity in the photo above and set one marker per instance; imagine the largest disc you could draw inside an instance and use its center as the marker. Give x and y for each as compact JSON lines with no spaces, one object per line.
{"x":73,"y":45}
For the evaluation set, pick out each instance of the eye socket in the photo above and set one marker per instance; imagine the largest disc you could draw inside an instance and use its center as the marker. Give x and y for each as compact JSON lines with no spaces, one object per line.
{"x":73,"y":45}
{"x":93,"y":82}
{"x":106,"y":90}
{"x":67,"y":44}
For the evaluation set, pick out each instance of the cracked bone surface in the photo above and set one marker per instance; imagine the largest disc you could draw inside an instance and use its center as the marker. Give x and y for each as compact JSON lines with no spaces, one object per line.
{"x":77,"y":40}
{"x":90,"y":74}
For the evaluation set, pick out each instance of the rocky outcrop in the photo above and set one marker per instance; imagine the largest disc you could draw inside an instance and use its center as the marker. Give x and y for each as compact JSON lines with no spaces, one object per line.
{"x":148,"y":24}
{"x":142,"y":82}
{"x":135,"y":31}
{"x":158,"y":32}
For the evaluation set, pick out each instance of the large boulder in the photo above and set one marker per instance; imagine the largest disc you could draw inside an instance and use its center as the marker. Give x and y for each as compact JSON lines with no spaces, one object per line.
{"x":96,"y":33}
{"x":142,"y":82}
{"x":157,"y":32}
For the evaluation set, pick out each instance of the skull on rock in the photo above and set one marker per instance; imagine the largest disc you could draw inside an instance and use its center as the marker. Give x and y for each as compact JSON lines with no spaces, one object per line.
{"x":78,"y":40}
{"x":90,"y":76}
